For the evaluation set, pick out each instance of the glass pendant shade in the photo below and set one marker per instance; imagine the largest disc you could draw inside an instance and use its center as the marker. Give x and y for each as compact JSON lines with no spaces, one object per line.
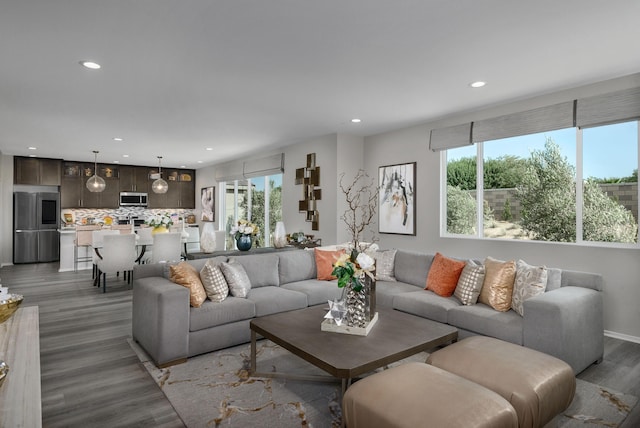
{"x":159,"y":185}
{"x":96,"y":183}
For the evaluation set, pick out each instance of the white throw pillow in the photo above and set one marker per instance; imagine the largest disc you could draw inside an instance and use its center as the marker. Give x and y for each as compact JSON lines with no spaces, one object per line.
{"x":530,"y":281}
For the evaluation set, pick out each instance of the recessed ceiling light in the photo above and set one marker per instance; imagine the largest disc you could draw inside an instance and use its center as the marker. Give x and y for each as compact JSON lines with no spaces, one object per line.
{"x":478,"y":84}
{"x":32,"y":156}
{"x":116,"y":161}
{"x":125,"y":156}
{"x":90,"y":65}
{"x":356,"y":120}
{"x":209,"y":148}
{"x":117,"y":139}
{"x":199,"y":161}
{"x":32,"y":148}
{"x":183,"y":166}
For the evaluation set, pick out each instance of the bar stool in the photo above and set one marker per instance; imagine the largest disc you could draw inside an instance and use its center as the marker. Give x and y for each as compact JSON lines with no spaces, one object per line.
{"x":83,"y":240}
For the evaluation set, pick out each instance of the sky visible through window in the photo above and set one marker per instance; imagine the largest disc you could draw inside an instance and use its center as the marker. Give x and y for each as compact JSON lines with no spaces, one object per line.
{"x":608,"y":151}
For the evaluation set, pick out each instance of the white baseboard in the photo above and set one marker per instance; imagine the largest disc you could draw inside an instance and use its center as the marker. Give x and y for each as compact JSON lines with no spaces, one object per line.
{"x":621,"y":336}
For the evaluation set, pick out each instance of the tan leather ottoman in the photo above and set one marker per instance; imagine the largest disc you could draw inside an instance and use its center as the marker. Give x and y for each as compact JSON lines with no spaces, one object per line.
{"x":537,"y":385}
{"x":418,"y":395}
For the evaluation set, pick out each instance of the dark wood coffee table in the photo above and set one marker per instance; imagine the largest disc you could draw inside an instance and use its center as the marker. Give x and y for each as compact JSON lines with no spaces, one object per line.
{"x":395,"y":336}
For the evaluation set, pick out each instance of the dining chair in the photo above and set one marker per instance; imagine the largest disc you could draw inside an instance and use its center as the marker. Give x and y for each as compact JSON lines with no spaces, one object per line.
{"x":118,"y":255}
{"x":97,"y":237}
{"x":145,"y":244}
{"x":167,"y":247}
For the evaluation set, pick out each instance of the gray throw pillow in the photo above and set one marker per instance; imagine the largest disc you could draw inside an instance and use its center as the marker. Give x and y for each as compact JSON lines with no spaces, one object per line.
{"x":237,"y":278}
{"x":470,"y":283}
{"x":384,"y":265}
{"x":215,"y":285}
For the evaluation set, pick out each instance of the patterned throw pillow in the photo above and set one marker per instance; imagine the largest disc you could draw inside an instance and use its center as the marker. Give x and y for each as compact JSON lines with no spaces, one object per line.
{"x":324,"y":263}
{"x":530,"y":281}
{"x":213,"y":281}
{"x":497,"y":289}
{"x":186,"y":275}
{"x":470,"y":283}
{"x":443,"y":275}
{"x":237,"y":278}
{"x":384,"y":265}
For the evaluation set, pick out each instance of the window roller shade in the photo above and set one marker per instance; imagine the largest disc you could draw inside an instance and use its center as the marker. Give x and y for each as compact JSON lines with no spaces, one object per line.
{"x":608,"y":108}
{"x":450,"y":137}
{"x":549,"y":118}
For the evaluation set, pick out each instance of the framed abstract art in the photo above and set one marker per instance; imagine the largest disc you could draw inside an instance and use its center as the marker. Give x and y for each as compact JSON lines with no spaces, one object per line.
{"x":396,"y":199}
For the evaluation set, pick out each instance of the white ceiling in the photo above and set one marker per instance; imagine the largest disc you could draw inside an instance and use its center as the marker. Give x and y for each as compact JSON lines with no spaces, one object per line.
{"x":238,"y":76}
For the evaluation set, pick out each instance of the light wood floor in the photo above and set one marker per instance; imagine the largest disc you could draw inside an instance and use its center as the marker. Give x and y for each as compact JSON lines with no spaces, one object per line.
{"x":91,"y":377}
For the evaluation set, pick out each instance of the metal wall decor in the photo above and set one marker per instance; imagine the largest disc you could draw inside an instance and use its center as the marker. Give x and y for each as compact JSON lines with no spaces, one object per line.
{"x":309,"y":177}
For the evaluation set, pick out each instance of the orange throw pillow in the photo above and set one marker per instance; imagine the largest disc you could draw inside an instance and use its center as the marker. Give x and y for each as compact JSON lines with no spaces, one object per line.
{"x":443,"y":275}
{"x":187,"y":276}
{"x":324,"y":263}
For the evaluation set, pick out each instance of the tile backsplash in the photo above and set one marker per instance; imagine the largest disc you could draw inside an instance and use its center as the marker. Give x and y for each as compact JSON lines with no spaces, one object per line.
{"x":98,"y":214}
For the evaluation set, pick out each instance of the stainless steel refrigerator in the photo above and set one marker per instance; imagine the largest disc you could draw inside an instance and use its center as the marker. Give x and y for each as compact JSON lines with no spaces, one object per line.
{"x":36,"y":217}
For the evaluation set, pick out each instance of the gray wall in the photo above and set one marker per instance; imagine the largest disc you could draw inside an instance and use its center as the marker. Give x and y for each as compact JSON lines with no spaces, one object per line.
{"x":620,"y":267}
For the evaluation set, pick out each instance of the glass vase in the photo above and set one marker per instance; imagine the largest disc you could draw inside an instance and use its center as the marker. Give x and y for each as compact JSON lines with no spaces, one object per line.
{"x":208,"y":238}
{"x":280,"y":236}
{"x":244,"y":242}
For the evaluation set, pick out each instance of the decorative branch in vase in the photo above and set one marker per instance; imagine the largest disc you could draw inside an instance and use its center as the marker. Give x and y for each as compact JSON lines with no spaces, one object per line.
{"x":356,"y":267}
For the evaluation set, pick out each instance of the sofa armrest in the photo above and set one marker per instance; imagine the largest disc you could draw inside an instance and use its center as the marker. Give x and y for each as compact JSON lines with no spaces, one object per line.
{"x":160,"y":319}
{"x":568,"y":324}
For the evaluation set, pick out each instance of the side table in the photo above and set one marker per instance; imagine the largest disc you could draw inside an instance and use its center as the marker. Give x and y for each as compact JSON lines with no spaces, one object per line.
{"x":20,"y":394}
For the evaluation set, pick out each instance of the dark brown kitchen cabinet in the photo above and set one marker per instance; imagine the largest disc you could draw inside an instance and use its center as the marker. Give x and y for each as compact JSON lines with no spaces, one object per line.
{"x":73,"y":188}
{"x":181,"y":193}
{"x":134,"y":179}
{"x":36,"y":171}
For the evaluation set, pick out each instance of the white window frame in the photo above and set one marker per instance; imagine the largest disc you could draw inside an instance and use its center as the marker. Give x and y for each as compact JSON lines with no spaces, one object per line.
{"x":579,"y":180}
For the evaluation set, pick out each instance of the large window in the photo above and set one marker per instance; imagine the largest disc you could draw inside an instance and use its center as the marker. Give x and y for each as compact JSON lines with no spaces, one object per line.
{"x":527,"y":185}
{"x":258,"y":200}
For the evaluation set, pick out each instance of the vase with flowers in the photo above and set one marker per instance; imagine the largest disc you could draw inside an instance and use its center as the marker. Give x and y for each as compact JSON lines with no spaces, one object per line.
{"x":244,"y":233}
{"x":355,"y":269}
{"x":159,"y":222}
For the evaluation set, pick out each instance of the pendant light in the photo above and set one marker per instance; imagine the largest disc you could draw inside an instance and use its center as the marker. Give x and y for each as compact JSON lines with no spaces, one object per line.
{"x":96,"y":183}
{"x":159,"y":185}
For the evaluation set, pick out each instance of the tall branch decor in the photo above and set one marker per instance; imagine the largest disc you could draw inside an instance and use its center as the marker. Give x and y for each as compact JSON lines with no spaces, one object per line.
{"x":355,"y":269}
{"x":362,"y":202}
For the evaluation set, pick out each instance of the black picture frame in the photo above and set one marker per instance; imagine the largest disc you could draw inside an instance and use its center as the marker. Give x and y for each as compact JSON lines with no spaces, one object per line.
{"x":397,"y":199}
{"x":208,"y":200}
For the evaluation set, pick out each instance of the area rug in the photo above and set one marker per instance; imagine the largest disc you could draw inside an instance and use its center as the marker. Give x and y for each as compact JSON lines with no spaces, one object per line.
{"x":215,"y":390}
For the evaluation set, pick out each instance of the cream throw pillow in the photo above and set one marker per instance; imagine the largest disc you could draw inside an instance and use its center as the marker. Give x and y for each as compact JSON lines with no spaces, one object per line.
{"x":530,"y":281}
{"x":214,"y":282}
{"x":470,"y":283}
{"x":497,"y":289}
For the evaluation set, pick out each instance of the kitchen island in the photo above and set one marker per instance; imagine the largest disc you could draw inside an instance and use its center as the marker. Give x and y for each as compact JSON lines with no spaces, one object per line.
{"x":67,"y":247}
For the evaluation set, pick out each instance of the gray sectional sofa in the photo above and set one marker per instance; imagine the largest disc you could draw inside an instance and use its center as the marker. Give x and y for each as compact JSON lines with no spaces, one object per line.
{"x":566,"y":321}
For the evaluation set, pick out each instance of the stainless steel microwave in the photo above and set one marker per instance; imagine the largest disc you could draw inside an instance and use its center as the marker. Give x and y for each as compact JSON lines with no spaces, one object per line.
{"x":133,"y":199}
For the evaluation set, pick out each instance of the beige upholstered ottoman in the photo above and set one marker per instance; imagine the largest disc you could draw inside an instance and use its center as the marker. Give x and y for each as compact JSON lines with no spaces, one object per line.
{"x":537,"y":385}
{"x":418,"y":395}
